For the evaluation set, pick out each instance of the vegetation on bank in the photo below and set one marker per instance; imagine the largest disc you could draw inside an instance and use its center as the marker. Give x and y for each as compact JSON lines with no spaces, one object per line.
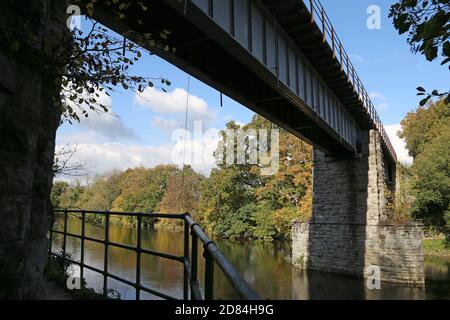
{"x":436,"y":247}
{"x":56,"y":271}
{"x":238,"y":202}
{"x":426,"y":131}
{"x":235,"y":202}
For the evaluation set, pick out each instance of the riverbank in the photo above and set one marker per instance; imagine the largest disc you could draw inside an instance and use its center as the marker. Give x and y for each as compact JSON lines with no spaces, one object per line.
{"x":55,"y":284}
{"x":436,"y":247}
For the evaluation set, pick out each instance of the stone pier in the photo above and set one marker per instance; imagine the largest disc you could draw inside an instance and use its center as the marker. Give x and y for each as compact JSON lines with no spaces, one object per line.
{"x":349,"y":231}
{"x":29,"y":117}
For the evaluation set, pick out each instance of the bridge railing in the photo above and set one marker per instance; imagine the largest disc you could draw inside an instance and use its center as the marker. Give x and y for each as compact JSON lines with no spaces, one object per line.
{"x":192,"y":235}
{"x":320,"y":17}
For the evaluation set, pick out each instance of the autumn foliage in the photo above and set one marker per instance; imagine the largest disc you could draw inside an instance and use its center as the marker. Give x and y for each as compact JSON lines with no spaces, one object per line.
{"x":235,"y":201}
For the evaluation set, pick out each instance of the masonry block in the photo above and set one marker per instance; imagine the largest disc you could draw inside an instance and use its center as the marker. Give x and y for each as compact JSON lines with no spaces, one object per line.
{"x":348,"y":231}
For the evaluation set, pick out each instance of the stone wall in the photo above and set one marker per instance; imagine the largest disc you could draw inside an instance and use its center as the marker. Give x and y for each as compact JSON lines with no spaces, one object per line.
{"x":29,"y":118}
{"x":350,"y":189}
{"x":347,"y":232}
{"x":397,"y":250}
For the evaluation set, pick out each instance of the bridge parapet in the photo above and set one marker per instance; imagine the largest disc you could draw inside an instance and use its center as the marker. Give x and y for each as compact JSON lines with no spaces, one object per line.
{"x":261,"y":27}
{"x":254,"y":27}
{"x":274,"y":59}
{"x":320,"y":17}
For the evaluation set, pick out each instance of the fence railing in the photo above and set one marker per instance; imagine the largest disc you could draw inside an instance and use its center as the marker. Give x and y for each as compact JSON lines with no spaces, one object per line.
{"x":192,"y":235}
{"x":319,"y":16}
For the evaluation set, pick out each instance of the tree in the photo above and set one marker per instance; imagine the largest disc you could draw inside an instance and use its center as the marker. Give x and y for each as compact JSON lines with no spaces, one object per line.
{"x":135,"y":190}
{"x":94,"y":60}
{"x":428,"y":25}
{"x":101,"y":194}
{"x":73,"y":197}
{"x":59,"y":188}
{"x":63,"y":165}
{"x":142,"y":189}
{"x":432,"y":181}
{"x":181,"y":195}
{"x":427,"y":135}
{"x":423,"y":125}
{"x":100,"y":60}
{"x":238,"y":202}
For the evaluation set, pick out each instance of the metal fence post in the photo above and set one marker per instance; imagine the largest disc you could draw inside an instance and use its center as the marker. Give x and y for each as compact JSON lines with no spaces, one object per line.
{"x":105,"y":267}
{"x":50,"y":240}
{"x":83,"y":234}
{"x":65,"y":237}
{"x":186,"y":258}
{"x":194,"y":262}
{"x":138,"y":257}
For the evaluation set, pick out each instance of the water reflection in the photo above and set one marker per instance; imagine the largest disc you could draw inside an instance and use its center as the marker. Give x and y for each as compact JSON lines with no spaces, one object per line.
{"x":264,"y":266}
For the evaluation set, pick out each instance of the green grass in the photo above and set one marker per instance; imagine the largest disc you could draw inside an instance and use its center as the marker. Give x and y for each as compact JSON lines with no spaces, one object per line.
{"x":435,"y":247}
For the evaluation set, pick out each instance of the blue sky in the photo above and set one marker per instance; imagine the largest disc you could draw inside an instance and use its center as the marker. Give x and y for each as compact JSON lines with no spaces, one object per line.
{"x":141,"y":132}
{"x":383,"y":58}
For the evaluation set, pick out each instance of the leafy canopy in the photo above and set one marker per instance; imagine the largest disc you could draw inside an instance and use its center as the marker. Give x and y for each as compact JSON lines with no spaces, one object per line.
{"x":427,"y":135}
{"x":427,"y":23}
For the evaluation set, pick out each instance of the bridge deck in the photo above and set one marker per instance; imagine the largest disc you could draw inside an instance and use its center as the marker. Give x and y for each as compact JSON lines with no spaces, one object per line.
{"x":269,"y":56}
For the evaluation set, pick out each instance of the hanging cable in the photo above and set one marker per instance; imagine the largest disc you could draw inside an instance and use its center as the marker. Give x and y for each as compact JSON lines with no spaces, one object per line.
{"x":185,"y":141}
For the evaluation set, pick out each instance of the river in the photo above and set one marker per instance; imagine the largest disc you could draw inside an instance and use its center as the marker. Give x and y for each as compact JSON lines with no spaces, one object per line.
{"x":265,"y":266}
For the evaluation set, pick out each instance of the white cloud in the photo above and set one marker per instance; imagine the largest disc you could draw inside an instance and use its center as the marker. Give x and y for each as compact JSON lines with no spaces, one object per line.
{"x":398,"y":143}
{"x":376,"y":95}
{"x":381,"y":106}
{"x":102,"y":158}
{"x":164,"y":124}
{"x":380,"y":101}
{"x":356,"y":57}
{"x":174,"y":103}
{"x":108,"y":124}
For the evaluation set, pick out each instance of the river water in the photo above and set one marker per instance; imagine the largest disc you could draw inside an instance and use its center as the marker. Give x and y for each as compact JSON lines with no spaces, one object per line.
{"x":265,"y":266}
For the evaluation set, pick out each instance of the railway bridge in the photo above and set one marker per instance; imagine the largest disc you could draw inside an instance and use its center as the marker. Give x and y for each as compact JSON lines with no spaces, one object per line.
{"x":282,"y":59}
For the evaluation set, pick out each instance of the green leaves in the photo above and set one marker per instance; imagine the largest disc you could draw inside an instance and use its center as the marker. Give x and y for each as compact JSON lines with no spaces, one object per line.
{"x":424,"y":101}
{"x":433,"y":94}
{"x":427,"y":23}
{"x":238,"y":202}
{"x":427,"y":135}
{"x":428,"y":27}
{"x":100,"y":63}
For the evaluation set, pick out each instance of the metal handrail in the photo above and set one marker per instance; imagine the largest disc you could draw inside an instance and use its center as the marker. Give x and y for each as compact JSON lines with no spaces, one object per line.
{"x":234,"y":277}
{"x":316,"y":9}
{"x":211,"y":254}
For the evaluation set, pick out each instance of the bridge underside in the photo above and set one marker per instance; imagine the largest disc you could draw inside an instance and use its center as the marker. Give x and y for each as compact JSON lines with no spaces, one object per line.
{"x":200,"y":45}
{"x":295,"y":18}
